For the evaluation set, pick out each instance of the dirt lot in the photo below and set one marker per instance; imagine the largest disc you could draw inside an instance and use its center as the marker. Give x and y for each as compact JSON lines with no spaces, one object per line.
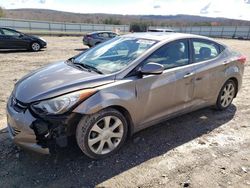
{"x":202,"y":149}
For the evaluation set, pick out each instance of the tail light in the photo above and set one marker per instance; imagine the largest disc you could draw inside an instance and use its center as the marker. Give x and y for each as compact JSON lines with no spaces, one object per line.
{"x":87,"y":37}
{"x":242,"y":59}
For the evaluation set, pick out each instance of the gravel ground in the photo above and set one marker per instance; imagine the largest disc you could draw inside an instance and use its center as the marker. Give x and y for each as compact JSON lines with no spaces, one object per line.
{"x":205,"y":148}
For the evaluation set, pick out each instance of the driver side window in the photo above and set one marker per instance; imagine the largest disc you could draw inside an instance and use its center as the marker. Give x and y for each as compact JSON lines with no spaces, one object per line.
{"x":173,"y":54}
{"x":10,"y":33}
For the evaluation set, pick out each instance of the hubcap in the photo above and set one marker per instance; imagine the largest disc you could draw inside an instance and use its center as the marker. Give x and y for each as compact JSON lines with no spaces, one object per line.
{"x":35,"y":46}
{"x":227,"y":95}
{"x":105,"y":135}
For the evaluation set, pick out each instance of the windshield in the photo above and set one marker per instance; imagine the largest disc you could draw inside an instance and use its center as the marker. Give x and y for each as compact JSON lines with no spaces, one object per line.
{"x":115,"y":54}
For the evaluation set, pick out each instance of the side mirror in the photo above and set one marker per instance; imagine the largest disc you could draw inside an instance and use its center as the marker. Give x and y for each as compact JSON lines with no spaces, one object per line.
{"x":21,"y":35}
{"x":152,"y":68}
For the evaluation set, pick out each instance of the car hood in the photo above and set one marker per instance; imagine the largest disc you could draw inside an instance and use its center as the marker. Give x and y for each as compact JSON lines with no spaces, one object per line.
{"x":56,"y":79}
{"x":35,"y":37}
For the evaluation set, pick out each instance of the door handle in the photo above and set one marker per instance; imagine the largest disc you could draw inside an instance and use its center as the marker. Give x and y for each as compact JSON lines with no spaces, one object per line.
{"x":188,"y":75}
{"x":225,"y":62}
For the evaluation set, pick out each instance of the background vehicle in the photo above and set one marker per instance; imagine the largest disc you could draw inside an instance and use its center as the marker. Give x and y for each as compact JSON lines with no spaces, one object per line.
{"x":12,"y":39}
{"x":117,"y":88}
{"x":92,"y":39}
{"x":160,"y":30}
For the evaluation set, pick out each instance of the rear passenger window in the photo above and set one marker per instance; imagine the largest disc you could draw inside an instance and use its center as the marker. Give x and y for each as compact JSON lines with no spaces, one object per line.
{"x":205,"y":50}
{"x":103,"y":35}
{"x":112,"y":35}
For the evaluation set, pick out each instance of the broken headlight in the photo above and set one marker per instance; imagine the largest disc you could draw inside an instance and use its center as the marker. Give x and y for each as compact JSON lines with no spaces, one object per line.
{"x":61,"y":104}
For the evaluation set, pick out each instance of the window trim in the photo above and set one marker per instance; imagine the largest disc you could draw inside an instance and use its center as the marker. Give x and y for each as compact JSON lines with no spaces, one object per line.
{"x":188,"y":45}
{"x":10,"y":30}
{"x":134,"y":71}
{"x":192,"y":40}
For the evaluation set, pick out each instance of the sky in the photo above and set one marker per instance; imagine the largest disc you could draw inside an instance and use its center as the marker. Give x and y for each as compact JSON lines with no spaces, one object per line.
{"x":236,"y":9}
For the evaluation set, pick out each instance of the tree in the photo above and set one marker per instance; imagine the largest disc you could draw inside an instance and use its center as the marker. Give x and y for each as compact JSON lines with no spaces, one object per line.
{"x":1,"y":12}
{"x":139,"y":26}
{"x":111,"y":21}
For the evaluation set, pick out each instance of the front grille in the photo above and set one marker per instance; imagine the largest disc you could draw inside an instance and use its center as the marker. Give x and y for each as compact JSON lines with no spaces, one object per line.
{"x":14,"y":131}
{"x":18,"y":105}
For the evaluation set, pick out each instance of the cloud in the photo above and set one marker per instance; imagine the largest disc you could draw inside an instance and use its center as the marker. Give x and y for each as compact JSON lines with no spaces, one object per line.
{"x":204,"y":10}
{"x":157,"y":6}
{"x":247,"y":1}
{"x":42,"y":1}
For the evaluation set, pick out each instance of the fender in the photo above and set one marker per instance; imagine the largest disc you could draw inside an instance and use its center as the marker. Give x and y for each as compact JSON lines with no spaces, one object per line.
{"x":120,"y":95}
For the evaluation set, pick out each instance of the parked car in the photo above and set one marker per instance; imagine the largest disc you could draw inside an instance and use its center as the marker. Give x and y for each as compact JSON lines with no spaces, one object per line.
{"x":12,"y":39}
{"x":160,"y":30}
{"x":94,"y":38}
{"x":109,"y":92}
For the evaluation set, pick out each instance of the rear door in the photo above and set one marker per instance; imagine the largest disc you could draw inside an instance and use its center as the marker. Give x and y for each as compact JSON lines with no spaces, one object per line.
{"x":170,"y":92}
{"x":209,"y":70}
{"x":103,"y":36}
{"x":112,"y":35}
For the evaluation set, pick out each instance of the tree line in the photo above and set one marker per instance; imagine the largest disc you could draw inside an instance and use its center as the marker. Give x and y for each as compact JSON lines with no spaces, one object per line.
{"x":1,"y":12}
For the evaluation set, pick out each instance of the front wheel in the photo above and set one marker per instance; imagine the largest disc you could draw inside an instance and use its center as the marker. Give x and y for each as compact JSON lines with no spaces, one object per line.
{"x":101,"y":134}
{"x":226,"y":95}
{"x":35,"y":46}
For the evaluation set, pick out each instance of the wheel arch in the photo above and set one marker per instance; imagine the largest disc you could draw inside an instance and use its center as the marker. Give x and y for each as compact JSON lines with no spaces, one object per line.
{"x":127,"y":116}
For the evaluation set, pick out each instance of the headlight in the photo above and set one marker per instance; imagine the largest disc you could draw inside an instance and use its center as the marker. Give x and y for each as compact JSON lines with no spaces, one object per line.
{"x":61,"y":104}
{"x":42,"y":39}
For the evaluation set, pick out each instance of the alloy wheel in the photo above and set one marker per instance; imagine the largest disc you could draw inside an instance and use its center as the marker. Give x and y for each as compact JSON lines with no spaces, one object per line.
{"x":35,"y":46}
{"x":105,"y":135}
{"x":227,"y":95}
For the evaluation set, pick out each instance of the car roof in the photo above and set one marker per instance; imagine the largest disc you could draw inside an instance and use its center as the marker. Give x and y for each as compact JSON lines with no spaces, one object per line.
{"x":162,"y":36}
{"x":162,"y":30}
{"x":6,"y":28}
{"x":96,"y":32}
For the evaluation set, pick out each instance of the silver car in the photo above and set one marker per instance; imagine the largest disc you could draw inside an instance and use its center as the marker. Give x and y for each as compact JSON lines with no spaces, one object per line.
{"x":95,"y":38}
{"x":109,"y":92}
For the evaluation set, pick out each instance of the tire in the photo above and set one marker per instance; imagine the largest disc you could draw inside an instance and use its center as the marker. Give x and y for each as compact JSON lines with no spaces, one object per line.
{"x":35,"y":46}
{"x":98,"y":139}
{"x":226,"y":95}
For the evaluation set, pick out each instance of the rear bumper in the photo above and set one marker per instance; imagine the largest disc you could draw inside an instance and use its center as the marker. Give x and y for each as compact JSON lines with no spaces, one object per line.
{"x":85,"y":43}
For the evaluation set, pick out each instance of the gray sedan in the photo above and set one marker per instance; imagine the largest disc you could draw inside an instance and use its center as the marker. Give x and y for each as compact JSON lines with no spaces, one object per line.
{"x":95,"y":38}
{"x":119,"y":87}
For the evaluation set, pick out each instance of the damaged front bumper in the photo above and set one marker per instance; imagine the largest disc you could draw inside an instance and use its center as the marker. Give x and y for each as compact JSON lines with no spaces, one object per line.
{"x":38,"y":134}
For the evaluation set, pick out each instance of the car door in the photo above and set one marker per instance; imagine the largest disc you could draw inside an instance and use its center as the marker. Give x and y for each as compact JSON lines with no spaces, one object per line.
{"x":2,"y":39}
{"x":104,"y":36}
{"x":209,"y":69}
{"x":171,"y":92}
{"x":13,"y":39}
{"x":112,"y":35}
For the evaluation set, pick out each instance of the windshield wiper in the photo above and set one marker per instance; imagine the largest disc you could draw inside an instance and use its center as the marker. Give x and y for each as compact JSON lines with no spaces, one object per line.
{"x":85,"y":66}
{"x":92,"y":68}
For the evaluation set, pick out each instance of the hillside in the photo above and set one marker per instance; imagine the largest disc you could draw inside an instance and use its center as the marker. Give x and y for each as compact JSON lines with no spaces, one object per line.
{"x":59,"y":16}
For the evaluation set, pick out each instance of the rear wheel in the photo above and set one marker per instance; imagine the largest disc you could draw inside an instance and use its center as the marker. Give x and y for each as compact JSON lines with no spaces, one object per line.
{"x":226,"y":95}
{"x":35,"y":46}
{"x":101,"y":134}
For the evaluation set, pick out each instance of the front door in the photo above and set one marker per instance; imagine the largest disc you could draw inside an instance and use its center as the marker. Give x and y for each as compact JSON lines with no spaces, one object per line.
{"x":170,"y":92}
